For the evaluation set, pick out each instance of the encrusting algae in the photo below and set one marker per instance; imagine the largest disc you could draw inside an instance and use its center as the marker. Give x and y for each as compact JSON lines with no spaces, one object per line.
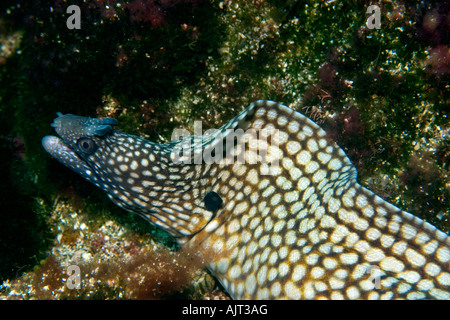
{"x":112,"y":265}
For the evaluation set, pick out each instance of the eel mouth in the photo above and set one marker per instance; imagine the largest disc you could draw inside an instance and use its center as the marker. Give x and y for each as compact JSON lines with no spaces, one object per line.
{"x":63,"y":153}
{"x":59,"y":150}
{"x":55,"y":146}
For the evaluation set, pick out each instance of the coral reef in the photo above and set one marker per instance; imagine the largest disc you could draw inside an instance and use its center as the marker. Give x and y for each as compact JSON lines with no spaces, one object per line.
{"x":113,"y":264}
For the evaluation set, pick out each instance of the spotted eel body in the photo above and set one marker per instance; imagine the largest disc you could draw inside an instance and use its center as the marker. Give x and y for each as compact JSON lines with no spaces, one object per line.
{"x":277,"y":208}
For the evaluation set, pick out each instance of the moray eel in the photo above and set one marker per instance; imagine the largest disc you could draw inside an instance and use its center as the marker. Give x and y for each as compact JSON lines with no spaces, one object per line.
{"x":274,"y":204}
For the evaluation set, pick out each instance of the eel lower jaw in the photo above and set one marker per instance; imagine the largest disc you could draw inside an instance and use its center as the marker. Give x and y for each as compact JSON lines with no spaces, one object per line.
{"x":64,"y":154}
{"x":52,"y":144}
{"x":57,"y":148}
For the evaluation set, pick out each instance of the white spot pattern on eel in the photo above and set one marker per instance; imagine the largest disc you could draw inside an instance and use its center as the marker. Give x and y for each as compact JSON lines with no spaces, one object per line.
{"x":307,"y":230}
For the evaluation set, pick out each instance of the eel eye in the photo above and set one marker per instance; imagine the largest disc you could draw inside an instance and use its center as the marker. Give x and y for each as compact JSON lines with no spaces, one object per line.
{"x":86,"y":145}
